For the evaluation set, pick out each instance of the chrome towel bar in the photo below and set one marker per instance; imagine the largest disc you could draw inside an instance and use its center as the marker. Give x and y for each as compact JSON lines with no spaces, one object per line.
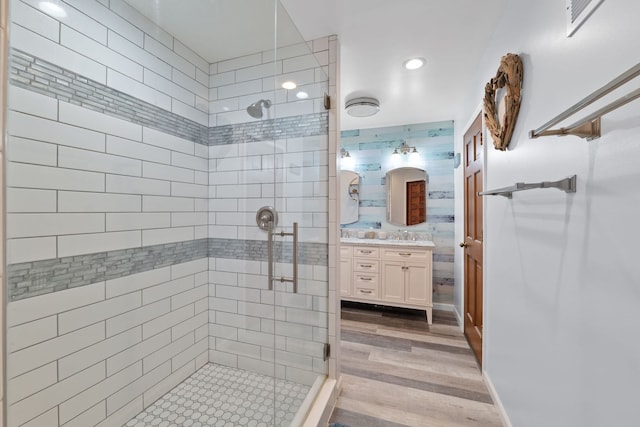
{"x":568,"y":185}
{"x":589,"y":127}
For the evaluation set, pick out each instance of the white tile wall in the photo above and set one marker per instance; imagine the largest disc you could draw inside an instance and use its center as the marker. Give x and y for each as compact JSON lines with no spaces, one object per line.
{"x":76,"y":161}
{"x":84,"y":45}
{"x":97,"y":242}
{"x":41,"y":129}
{"x":75,"y":350}
{"x":112,"y":184}
{"x":42,"y":47}
{"x":32,"y":18}
{"x":237,"y":83}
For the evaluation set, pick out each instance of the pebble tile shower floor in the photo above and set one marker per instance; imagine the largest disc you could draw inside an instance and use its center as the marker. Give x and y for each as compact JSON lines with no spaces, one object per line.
{"x":225,"y":397}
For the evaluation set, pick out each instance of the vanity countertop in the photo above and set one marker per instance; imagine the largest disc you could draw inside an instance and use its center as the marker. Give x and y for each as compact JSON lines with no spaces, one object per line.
{"x":394,"y":242}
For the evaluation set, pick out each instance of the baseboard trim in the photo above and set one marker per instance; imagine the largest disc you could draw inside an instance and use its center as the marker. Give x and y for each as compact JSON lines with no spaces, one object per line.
{"x":460,"y":320}
{"x":496,"y":400}
{"x":443,"y":306}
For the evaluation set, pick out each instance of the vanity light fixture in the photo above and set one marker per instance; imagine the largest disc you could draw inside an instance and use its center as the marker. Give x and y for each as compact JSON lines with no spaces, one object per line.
{"x":346,"y":161}
{"x":289,"y":85}
{"x":404,"y":148}
{"x":414,"y":63}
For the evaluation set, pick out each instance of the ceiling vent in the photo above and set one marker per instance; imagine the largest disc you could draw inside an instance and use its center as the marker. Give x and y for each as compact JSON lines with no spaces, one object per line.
{"x":362,"y":107}
{"x":578,"y":11}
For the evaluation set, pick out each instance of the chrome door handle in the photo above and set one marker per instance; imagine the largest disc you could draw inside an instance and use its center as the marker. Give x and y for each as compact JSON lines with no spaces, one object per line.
{"x":270,"y":253}
{"x":294,"y":279}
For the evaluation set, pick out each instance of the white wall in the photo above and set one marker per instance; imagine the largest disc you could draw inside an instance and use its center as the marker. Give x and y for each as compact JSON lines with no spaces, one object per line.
{"x":561,"y":288}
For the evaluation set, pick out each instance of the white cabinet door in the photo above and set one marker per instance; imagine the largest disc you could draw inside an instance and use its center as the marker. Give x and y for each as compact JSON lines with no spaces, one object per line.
{"x":417,"y":286}
{"x":393,"y":277}
{"x":346,"y":265}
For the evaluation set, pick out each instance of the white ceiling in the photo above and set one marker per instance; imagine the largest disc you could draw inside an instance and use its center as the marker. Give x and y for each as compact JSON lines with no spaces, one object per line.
{"x":375,"y":36}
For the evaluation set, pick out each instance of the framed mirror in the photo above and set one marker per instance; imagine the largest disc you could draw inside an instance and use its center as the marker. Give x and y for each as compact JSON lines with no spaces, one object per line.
{"x":349,"y":197}
{"x":406,"y":196}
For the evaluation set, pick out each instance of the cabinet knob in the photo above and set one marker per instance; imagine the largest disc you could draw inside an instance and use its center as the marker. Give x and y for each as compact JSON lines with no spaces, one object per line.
{"x":463,"y":245}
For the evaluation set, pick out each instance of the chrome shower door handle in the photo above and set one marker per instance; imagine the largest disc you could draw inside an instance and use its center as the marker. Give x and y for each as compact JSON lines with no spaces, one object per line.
{"x":270,"y":254}
{"x":282,"y":279}
{"x":295,"y":257}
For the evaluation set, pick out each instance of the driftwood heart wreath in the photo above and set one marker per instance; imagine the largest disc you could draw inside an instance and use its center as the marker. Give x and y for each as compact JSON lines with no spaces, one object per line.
{"x":509,"y":75}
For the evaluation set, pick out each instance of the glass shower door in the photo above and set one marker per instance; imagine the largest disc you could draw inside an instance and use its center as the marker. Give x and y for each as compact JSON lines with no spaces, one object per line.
{"x":300,"y":239}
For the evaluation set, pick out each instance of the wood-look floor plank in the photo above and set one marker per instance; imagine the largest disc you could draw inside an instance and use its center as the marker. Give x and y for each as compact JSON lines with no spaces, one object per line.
{"x":356,"y":419}
{"x":418,"y":384}
{"x":399,"y":343}
{"x":398,"y":371}
{"x":454,"y":341}
{"x":436,"y":363}
{"x":375,"y":340}
{"x":413,"y":407}
{"x":359,"y":360}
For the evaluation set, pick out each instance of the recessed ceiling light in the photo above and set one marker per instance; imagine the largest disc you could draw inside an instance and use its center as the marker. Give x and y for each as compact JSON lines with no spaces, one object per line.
{"x":302,"y":95}
{"x":53,"y":9}
{"x":289,"y":85}
{"x":413,"y":63}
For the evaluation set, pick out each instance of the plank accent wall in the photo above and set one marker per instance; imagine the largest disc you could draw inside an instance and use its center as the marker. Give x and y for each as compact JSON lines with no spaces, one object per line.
{"x":371,"y":152}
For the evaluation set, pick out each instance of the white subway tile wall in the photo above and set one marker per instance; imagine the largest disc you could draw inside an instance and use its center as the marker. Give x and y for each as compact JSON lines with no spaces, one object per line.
{"x":131,"y":179}
{"x":98,"y":343}
{"x":237,"y":83}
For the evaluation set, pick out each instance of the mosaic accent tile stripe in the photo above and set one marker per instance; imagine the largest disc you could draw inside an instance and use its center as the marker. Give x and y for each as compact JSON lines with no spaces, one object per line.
{"x":264,"y":130}
{"x":256,"y":250}
{"x":38,"y":75}
{"x":29,"y":279}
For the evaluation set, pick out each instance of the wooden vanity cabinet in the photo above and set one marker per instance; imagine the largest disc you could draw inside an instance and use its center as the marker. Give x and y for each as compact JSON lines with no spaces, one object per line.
{"x":396,"y":276}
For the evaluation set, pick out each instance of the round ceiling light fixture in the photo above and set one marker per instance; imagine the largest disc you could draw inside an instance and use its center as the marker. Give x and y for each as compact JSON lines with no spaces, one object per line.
{"x":362,"y":107}
{"x":414,"y":63}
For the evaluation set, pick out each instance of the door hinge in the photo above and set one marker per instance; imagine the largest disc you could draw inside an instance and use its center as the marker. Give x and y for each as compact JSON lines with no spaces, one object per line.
{"x":327,"y":101}
{"x":326,"y":351}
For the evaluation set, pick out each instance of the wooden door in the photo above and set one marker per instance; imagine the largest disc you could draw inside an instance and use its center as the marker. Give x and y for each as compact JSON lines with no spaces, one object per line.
{"x":473,"y":152}
{"x":416,"y":202}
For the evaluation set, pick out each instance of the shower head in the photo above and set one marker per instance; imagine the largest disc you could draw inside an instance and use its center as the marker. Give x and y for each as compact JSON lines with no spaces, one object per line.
{"x":255,"y":109}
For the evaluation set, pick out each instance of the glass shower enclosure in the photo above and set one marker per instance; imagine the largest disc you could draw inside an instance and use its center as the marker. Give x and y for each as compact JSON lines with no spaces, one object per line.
{"x":167,"y":213}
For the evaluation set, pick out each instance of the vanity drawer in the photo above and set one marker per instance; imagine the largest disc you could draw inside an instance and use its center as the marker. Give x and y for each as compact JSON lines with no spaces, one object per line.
{"x":366,"y":252}
{"x":365,"y":285}
{"x":406,"y":254}
{"x":366,"y":293}
{"x":366,"y":265}
{"x":365,"y":281}
{"x":346,"y":251}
